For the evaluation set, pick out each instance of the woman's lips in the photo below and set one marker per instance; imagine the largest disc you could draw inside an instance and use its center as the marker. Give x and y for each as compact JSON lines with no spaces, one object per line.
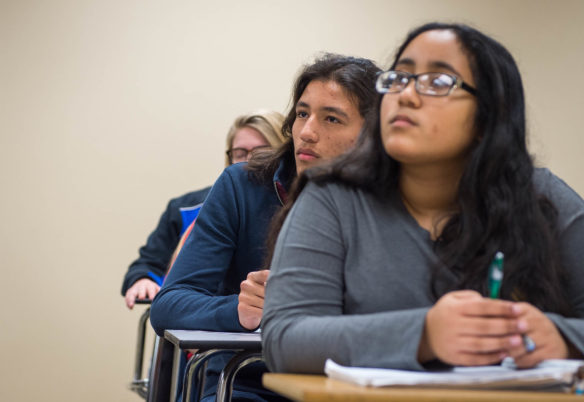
{"x":402,"y":121}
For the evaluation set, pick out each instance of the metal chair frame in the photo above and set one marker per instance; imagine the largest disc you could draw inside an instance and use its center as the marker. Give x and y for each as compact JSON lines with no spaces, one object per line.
{"x":227,"y":376}
{"x":158,"y":385}
{"x":140,"y":384}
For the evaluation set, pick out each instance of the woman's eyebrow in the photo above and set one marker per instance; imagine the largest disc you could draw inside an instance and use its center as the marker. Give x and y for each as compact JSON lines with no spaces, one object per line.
{"x":434,"y":64}
{"x":443,"y":65}
{"x":406,"y":62}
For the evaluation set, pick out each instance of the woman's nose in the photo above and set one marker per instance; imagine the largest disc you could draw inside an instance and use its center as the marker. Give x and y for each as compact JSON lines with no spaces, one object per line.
{"x":409,"y":95}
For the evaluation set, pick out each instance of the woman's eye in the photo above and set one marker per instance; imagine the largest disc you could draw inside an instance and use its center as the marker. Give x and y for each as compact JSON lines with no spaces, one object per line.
{"x":332,"y":119}
{"x":441,"y":82}
{"x":301,"y":114}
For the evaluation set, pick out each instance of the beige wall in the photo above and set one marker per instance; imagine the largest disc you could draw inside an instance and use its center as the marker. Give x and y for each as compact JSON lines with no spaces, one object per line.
{"x":108,"y":108}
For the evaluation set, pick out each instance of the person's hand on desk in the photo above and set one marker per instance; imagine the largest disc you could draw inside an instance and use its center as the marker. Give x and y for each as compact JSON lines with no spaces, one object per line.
{"x":465,"y":329}
{"x":548,"y":342}
{"x":141,"y":289}
{"x":251,"y":299}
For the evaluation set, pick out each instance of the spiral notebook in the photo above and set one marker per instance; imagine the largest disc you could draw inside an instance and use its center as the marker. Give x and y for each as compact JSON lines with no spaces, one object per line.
{"x":554,"y":375}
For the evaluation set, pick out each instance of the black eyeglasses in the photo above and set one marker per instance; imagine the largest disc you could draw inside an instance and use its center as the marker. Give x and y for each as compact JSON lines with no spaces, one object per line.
{"x":241,"y":154}
{"x":432,"y":84}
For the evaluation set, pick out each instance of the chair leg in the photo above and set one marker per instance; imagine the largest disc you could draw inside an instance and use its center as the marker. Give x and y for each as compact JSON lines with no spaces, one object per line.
{"x":176,"y":363}
{"x":161,"y":371}
{"x":227,"y":376}
{"x":196,"y":369}
{"x":139,"y":384}
{"x":201,"y":381}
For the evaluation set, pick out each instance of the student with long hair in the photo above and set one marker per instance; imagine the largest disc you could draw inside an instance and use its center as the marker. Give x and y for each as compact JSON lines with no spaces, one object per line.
{"x":216,"y":282}
{"x":382,"y":261}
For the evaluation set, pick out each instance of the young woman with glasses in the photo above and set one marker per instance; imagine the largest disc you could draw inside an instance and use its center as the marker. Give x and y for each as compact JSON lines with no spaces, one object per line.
{"x":261,"y":130}
{"x":383,"y":260}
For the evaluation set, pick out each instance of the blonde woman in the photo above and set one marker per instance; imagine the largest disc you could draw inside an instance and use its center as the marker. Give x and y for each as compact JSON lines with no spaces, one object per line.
{"x":250,"y":132}
{"x":261,"y":129}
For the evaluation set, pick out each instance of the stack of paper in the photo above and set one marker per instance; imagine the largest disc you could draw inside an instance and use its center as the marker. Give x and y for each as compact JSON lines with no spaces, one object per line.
{"x":553,"y":374}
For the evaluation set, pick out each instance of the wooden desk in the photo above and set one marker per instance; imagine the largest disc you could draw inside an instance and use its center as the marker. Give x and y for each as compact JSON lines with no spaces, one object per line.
{"x":316,"y":388}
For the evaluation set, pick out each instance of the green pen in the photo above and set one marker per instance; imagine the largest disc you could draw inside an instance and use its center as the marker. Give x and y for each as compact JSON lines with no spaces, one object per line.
{"x":496,"y":275}
{"x":494,"y":285}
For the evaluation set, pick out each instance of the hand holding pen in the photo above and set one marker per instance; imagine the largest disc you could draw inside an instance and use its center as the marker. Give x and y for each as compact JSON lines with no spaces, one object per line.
{"x":465,"y":328}
{"x":531,"y":321}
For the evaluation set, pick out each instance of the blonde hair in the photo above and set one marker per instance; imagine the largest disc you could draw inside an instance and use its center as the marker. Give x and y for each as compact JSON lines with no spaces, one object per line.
{"x":267,"y":122}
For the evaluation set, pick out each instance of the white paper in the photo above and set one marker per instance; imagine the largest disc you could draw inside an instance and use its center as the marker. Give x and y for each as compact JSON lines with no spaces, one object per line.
{"x":549,"y":373}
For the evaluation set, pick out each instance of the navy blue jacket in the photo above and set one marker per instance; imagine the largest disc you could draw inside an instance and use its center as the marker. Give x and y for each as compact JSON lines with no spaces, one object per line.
{"x":156,"y":253}
{"x":226,"y":243}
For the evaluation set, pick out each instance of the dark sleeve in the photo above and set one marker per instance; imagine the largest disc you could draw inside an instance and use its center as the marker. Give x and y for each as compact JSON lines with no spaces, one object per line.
{"x":304,"y":321}
{"x":155,"y":255}
{"x":190,"y":297}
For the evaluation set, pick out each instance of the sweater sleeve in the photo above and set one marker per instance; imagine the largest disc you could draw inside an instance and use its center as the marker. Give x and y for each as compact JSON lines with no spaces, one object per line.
{"x":191,"y":296}
{"x":304,"y":321}
{"x":155,"y":255}
{"x":570,"y":207}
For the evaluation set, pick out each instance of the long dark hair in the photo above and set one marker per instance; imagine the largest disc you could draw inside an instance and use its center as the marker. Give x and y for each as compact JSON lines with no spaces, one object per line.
{"x":498,"y":208}
{"x":355,"y":75}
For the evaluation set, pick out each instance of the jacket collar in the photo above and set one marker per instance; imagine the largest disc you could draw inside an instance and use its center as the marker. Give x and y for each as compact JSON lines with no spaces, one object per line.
{"x":283,"y":177}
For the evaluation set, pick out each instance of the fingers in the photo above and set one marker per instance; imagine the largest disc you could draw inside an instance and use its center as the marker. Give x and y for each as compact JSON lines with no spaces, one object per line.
{"x":541,"y":339}
{"x":471,"y":303}
{"x":474,"y":350}
{"x":253,"y":288}
{"x":530,"y":338}
{"x":488,"y":344}
{"x":141,"y":289}
{"x":490,"y":326}
{"x":130,"y":298}
{"x":526,"y":357}
{"x":260,"y":277}
{"x":152,"y":290}
{"x":488,"y":308}
{"x":467,"y":329}
{"x":252,"y":294}
{"x":251,"y":299}
{"x":147,"y":289}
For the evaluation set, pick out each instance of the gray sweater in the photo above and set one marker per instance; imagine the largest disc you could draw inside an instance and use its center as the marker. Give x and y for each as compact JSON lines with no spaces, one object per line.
{"x":350,"y":279}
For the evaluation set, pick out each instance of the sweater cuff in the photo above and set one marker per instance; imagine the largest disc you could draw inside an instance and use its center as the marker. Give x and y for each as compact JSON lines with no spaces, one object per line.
{"x":414,"y":333}
{"x":572,"y":329}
